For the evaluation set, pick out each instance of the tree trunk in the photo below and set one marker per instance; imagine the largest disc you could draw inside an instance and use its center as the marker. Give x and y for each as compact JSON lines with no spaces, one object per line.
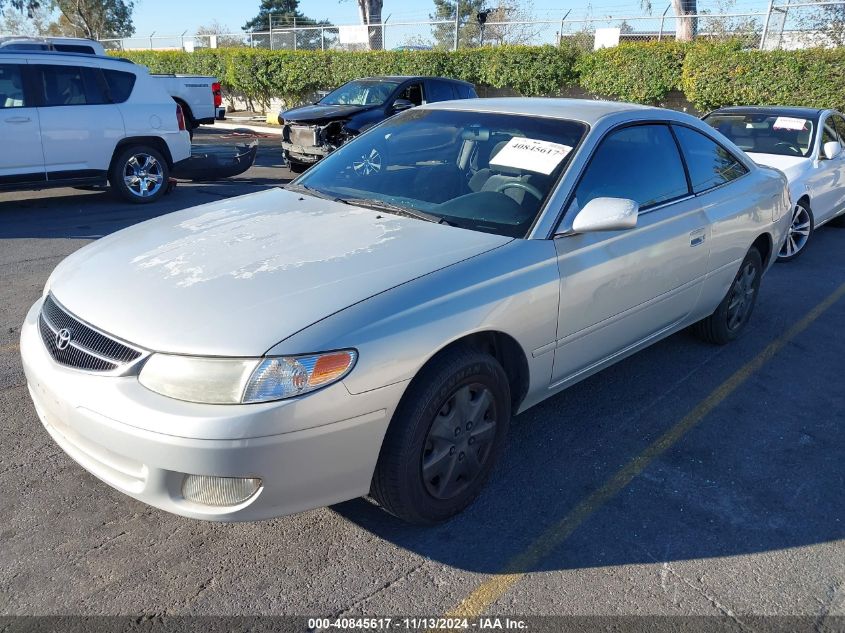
{"x":370,"y":11}
{"x":687,"y":25}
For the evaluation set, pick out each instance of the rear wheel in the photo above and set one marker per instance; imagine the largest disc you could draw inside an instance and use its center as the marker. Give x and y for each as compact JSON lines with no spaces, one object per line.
{"x":139,"y":174}
{"x":444,"y":439}
{"x":731,"y":317}
{"x":800,"y":232}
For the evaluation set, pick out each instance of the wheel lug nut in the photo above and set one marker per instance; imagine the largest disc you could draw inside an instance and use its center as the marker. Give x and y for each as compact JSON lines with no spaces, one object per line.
{"x":469,"y":425}
{"x":452,"y":451}
{"x":471,"y":440}
{"x":457,"y":430}
{"x":460,"y":456}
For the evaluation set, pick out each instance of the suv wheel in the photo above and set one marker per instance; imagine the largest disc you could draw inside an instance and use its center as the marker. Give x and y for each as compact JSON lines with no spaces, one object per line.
{"x":139,"y":174}
{"x":444,"y":439}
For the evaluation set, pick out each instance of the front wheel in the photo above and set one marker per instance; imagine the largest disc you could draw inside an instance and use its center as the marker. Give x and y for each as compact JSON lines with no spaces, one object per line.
{"x":732,"y":315}
{"x":800,"y":232}
{"x":139,"y":174}
{"x":444,"y":439}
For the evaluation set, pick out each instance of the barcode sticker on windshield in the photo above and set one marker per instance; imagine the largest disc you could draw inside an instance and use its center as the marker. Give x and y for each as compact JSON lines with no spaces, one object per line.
{"x":532,"y":155}
{"x":788,"y":123}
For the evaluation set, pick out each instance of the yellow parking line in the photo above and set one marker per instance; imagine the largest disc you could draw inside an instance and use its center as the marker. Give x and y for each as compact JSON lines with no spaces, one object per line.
{"x":494,"y":587}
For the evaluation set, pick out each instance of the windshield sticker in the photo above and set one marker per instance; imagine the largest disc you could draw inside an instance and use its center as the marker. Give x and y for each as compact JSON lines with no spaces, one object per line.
{"x":789,"y":123}
{"x":525,"y":153}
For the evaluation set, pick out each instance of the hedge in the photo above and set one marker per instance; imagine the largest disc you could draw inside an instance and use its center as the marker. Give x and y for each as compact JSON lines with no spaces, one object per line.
{"x":720,"y":75}
{"x":259,"y":75}
{"x":640,"y":72}
{"x":709,"y":74}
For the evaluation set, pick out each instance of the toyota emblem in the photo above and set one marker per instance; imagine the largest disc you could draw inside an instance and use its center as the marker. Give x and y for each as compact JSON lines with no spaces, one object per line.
{"x":63,"y":338}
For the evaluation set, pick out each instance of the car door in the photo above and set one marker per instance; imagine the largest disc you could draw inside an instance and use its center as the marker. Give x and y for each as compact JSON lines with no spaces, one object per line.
{"x":437,"y":90}
{"x":623,"y":288}
{"x":711,"y":168}
{"x":22,"y":159}
{"x":826,"y":177}
{"x":412,"y":91}
{"x":79,"y":127}
{"x":839,"y":125}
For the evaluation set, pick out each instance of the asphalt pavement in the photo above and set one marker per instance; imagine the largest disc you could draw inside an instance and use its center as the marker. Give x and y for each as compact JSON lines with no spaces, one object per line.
{"x":686,"y":480}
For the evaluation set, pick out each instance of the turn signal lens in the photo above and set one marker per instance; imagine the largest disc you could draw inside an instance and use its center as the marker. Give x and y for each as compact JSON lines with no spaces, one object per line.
{"x":277,"y":378}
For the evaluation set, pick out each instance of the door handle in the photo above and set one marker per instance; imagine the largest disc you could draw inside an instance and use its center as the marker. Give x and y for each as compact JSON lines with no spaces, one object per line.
{"x":17,"y":119}
{"x":697,"y":237}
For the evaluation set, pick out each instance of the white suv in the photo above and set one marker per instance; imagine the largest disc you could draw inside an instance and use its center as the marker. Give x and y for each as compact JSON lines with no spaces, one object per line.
{"x":75,"y":119}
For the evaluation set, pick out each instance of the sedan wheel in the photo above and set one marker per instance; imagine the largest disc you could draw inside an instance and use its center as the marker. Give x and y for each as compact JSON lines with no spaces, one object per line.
{"x":799,"y":233}
{"x":444,"y":438}
{"x":731,"y":316}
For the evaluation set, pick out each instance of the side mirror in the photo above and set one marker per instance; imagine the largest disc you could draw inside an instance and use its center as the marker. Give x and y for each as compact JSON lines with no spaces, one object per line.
{"x":402,"y":104}
{"x":606,"y":214}
{"x":832,"y":149}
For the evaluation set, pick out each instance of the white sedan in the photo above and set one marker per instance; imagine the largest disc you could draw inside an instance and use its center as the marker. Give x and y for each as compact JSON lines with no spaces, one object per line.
{"x":806,"y":144}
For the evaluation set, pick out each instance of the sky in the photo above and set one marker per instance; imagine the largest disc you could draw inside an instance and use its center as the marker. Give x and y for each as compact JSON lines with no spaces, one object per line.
{"x":169,"y":17}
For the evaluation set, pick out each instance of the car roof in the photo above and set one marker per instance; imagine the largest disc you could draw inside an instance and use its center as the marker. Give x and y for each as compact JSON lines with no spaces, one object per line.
{"x":409,"y":77}
{"x":586,"y":110}
{"x":60,"y":54}
{"x":804,"y":113}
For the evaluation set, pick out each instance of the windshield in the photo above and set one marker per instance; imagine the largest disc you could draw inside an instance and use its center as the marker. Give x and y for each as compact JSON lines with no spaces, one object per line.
{"x":361,"y":92}
{"x":766,"y":133}
{"x":481,"y":171}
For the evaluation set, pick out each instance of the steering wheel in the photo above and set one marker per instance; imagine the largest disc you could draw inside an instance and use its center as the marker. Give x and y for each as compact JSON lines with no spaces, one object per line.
{"x":789,"y":146}
{"x":518,"y":184}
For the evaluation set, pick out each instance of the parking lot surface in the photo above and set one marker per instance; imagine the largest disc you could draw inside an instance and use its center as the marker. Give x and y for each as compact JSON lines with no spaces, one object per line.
{"x":686,"y":480}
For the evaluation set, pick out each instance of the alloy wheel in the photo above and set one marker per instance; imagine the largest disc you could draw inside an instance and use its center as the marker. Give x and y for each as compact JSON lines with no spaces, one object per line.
{"x":799,"y":232}
{"x":143,"y":175}
{"x":459,"y":441}
{"x":742,"y":297}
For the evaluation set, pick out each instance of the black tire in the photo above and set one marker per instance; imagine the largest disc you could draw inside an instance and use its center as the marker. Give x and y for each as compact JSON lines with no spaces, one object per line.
{"x":297,"y":168}
{"x":122,"y":169}
{"x":800,"y":233}
{"x":721,"y":327}
{"x":424,"y":418}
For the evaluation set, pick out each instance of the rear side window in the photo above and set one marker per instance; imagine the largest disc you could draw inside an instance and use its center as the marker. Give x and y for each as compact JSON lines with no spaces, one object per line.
{"x":70,"y":85}
{"x":120,"y":84}
{"x":74,"y":48}
{"x":640,"y":163}
{"x":440,"y":91}
{"x":465,"y":92}
{"x":709,"y":164}
{"x":11,"y":87}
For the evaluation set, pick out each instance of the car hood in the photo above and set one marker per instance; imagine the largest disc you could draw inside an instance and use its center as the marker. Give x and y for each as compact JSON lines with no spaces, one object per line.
{"x":791,"y":166}
{"x":233,"y":278}
{"x":319,"y":113}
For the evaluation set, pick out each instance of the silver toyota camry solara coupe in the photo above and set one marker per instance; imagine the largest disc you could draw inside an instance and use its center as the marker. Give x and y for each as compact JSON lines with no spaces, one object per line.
{"x":372,"y":327}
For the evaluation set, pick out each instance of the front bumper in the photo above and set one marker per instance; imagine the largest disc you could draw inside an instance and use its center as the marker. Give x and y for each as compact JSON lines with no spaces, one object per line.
{"x":309,"y":452}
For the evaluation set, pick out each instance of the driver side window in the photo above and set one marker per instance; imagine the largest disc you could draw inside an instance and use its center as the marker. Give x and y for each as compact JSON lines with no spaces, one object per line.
{"x":640,"y":163}
{"x":413,"y":93}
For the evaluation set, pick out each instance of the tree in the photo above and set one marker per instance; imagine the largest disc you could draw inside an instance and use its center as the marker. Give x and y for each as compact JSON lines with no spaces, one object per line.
{"x":28,"y":6}
{"x":284,"y":16}
{"x":38,"y":21}
{"x":509,"y":11}
{"x":686,"y":24}
{"x":370,"y":12}
{"x":469,"y":32}
{"x":225,"y":39}
{"x":96,"y":19}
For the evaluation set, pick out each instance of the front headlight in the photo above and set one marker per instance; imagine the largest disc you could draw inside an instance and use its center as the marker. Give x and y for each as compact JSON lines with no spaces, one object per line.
{"x":243,"y":380}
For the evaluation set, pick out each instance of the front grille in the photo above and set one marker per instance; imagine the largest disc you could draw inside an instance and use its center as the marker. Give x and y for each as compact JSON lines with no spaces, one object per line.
{"x":88,"y":349}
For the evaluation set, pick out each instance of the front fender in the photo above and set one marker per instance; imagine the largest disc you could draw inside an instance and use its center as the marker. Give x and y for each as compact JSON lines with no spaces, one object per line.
{"x":513,"y":289}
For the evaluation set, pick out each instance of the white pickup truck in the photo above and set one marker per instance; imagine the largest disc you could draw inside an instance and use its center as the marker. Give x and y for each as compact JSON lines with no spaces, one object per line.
{"x":198,"y":95}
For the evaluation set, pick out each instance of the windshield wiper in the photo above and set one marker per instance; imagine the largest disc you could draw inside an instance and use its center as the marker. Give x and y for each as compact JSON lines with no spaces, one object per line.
{"x":313,"y":192}
{"x":381,"y":205}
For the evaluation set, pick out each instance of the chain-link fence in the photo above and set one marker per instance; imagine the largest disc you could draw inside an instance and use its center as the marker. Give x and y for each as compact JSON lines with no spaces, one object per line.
{"x":785,"y":24}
